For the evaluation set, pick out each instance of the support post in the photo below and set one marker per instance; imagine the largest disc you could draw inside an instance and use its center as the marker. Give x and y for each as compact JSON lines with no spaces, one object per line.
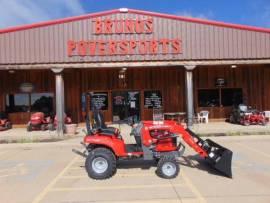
{"x":60,"y":104}
{"x":189,"y":95}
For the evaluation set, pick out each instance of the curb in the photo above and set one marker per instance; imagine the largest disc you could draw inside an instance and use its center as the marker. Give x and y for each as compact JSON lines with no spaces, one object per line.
{"x":11,"y":140}
{"x":237,"y":133}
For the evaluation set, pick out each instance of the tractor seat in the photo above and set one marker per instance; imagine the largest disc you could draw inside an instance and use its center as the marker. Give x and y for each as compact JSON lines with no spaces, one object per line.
{"x":109,"y":131}
{"x":101,"y":126}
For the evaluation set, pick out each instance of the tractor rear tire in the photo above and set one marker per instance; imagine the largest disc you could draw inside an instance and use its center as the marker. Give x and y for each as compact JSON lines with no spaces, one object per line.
{"x":100,"y":164}
{"x":167,"y":167}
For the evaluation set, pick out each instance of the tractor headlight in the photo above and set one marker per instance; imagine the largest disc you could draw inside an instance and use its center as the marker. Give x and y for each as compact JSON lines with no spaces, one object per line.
{"x":211,"y":155}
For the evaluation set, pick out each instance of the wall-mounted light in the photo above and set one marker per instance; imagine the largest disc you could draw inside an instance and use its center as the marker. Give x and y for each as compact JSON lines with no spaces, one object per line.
{"x":122,"y":74}
{"x":11,"y":71}
{"x":122,"y":77}
{"x":233,"y":66}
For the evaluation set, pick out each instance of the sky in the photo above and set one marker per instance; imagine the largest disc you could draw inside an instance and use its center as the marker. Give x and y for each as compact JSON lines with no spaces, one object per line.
{"x":246,"y":12}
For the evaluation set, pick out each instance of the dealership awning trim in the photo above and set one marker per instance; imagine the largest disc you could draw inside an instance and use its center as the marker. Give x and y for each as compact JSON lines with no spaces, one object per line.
{"x":134,"y":11}
{"x":133,"y":64}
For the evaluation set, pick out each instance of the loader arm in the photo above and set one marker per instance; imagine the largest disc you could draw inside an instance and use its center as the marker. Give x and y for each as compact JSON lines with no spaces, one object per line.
{"x":218,"y":156}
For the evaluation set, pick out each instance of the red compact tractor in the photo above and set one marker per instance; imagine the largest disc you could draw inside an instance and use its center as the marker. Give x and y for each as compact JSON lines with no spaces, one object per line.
{"x":38,"y":121}
{"x":159,"y":141}
{"x":5,"y":124}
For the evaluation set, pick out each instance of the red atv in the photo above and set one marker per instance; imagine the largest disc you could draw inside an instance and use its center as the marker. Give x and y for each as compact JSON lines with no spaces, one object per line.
{"x":155,"y":140}
{"x":253,"y":118}
{"x":246,"y":116}
{"x":38,"y":121}
{"x":5,"y":124}
{"x":53,"y":125}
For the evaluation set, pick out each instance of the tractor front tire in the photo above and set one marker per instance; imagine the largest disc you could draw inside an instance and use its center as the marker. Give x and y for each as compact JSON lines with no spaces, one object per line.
{"x":100,"y":164}
{"x":167,"y":167}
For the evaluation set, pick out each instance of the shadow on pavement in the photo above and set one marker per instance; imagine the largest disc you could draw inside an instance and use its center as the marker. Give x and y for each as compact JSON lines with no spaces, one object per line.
{"x":126,"y":164}
{"x":191,"y":161}
{"x":200,"y":164}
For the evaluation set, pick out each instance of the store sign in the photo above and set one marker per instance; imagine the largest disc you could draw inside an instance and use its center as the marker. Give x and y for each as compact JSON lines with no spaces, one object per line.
{"x":121,"y":26}
{"x":220,"y":82}
{"x":26,"y":87}
{"x":130,"y":46}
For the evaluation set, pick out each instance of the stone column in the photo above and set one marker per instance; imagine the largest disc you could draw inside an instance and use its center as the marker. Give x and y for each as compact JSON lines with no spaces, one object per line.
{"x":60,"y":101}
{"x":189,"y":95}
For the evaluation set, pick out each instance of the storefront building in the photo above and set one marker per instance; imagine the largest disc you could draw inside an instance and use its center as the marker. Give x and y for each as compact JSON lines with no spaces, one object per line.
{"x":131,"y":62}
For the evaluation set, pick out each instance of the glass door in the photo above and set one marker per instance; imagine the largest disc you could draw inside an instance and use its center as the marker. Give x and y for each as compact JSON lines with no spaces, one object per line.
{"x":126,"y":104}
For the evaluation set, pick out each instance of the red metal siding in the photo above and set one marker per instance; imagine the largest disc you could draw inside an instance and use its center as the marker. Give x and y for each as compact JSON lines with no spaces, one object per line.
{"x":48,"y":44}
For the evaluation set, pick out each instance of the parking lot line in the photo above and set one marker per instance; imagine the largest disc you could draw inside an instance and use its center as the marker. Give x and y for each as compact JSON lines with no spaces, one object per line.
{"x":120,"y":187}
{"x":192,"y":187}
{"x":76,"y":168}
{"x":7,"y":175}
{"x":52,"y":183}
{"x":254,"y":150}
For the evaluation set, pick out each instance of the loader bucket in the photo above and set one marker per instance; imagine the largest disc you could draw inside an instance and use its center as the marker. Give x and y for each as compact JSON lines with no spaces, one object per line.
{"x":220,"y":158}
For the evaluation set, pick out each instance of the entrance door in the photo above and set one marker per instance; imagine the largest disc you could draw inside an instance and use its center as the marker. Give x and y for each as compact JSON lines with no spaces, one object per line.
{"x":126,"y":104}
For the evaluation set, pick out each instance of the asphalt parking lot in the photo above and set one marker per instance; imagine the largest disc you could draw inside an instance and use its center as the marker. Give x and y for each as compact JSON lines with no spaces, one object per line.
{"x":50,"y":172}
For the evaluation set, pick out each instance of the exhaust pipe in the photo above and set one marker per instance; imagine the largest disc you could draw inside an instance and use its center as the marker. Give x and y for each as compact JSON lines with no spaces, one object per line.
{"x":220,"y":158}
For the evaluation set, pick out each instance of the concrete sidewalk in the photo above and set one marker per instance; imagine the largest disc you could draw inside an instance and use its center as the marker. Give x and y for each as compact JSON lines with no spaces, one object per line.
{"x":20,"y":135}
{"x":225,"y":128}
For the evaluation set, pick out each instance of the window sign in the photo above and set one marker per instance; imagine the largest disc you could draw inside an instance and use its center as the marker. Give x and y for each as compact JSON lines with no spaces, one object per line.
{"x":220,"y":82}
{"x":83,"y":99}
{"x":152,"y":99}
{"x":99,"y":100}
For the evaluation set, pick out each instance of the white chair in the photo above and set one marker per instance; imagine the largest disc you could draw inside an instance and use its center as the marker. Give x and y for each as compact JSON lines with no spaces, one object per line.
{"x":203,"y":116}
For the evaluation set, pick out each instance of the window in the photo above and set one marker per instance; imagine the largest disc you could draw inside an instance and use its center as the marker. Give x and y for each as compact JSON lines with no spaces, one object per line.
{"x":17,"y":103}
{"x":231,"y":96}
{"x":208,"y":98}
{"x":42,"y":102}
{"x":29,"y":102}
{"x":220,"y":97}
